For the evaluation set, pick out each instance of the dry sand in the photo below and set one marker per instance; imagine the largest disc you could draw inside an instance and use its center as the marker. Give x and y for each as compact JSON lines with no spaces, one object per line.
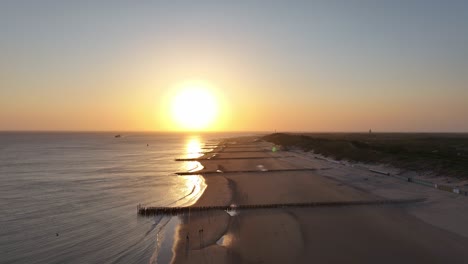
{"x":364,"y":234}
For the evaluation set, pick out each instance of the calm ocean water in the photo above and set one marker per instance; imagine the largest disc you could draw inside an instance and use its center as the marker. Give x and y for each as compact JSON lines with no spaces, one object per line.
{"x":72,"y":197}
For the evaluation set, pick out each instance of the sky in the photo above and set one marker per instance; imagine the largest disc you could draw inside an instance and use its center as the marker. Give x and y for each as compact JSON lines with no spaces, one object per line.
{"x":272,"y":65}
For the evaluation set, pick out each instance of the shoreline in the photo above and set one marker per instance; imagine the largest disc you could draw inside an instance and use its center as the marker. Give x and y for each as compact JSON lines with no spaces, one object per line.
{"x":193,"y":240}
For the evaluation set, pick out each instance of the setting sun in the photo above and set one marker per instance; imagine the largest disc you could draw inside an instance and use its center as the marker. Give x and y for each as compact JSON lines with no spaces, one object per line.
{"x":194,"y":107}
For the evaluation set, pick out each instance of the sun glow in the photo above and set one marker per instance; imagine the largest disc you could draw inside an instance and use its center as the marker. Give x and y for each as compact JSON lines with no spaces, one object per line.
{"x":194,"y":107}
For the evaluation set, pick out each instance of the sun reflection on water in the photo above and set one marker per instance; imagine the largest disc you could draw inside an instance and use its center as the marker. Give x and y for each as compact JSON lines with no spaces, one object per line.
{"x":193,"y":150}
{"x":194,"y":184}
{"x":193,"y":147}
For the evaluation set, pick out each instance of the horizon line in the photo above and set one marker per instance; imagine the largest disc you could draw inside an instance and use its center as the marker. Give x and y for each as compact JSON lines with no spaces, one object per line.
{"x":227,"y":131}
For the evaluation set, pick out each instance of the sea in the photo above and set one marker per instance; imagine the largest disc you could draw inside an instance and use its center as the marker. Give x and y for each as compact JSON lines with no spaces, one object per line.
{"x":69,"y":197}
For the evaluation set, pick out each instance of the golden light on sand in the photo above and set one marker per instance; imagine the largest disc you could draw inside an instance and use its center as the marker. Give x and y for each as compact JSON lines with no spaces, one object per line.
{"x":194,"y":107}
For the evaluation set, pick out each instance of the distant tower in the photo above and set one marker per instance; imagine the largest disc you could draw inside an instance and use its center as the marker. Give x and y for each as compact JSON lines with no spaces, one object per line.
{"x":370,"y":131}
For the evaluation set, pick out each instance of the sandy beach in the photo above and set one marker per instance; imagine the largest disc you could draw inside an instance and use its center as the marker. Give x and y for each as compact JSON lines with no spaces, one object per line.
{"x":433,"y":231}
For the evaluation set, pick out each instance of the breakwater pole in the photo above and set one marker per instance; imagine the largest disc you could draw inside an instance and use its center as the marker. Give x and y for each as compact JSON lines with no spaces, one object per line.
{"x":148,"y":211}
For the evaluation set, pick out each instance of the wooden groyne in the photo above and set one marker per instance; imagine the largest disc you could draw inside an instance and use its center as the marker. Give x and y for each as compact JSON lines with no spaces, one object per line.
{"x":233,"y":151}
{"x":147,"y":211}
{"x":230,"y":146}
{"x":243,"y":171}
{"x":197,"y":159}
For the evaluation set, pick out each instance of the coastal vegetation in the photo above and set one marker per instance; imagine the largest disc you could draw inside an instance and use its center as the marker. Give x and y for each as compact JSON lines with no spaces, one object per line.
{"x":444,"y":154}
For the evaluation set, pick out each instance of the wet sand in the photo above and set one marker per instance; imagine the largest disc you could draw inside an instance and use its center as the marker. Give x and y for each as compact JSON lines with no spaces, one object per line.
{"x":365,"y":234}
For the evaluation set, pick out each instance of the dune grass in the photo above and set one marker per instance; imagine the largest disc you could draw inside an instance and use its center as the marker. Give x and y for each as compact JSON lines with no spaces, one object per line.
{"x":437,"y":153}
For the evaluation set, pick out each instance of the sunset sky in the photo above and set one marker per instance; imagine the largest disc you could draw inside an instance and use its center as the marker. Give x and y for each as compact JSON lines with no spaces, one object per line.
{"x":285,"y":65}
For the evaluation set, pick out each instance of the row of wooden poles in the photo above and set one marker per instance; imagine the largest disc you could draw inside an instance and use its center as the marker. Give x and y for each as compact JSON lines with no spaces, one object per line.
{"x":146,"y":211}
